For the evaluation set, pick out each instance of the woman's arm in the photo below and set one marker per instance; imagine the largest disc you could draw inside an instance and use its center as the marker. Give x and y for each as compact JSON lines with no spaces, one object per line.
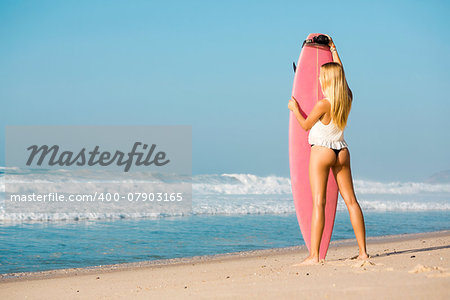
{"x":333,"y":50}
{"x":319,"y":109}
{"x":337,"y":59}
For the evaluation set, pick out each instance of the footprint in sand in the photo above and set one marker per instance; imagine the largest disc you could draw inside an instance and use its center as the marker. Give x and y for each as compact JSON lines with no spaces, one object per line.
{"x":364,"y":264}
{"x":423,"y":269}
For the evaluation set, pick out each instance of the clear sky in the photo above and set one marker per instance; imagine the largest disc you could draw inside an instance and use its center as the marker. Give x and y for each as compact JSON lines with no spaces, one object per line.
{"x":226,"y":69}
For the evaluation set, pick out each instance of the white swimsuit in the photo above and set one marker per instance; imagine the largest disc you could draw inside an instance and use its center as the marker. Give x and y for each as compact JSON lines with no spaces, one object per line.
{"x":329,"y":136}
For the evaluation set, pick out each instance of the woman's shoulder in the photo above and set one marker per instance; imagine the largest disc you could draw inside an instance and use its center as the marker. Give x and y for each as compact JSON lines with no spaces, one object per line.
{"x":324,"y":105}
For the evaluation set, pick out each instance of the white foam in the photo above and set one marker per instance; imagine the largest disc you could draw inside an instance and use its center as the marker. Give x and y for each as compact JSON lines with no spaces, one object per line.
{"x":241,"y":184}
{"x":237,"y":194}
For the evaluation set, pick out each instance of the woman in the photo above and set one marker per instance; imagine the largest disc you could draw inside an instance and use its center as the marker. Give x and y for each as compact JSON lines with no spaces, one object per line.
{"x":326,"y":123}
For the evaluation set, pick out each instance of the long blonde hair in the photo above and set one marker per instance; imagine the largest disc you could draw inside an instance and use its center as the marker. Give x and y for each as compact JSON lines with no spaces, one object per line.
{"x":335,"y":88}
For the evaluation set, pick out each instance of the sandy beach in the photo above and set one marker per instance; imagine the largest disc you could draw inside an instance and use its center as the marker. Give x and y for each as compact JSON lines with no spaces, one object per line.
{"x":413,"y":266}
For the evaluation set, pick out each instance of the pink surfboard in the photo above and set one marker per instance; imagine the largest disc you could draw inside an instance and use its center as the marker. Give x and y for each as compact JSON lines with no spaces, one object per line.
{"x":307,"y":91}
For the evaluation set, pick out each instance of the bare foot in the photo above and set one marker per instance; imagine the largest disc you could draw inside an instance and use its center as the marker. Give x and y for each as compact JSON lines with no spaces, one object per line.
{"x":310,"y":260}
{"x":362,"y":256}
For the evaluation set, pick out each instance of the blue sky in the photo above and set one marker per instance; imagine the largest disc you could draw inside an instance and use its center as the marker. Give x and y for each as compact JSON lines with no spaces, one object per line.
{"x":226,"y":69}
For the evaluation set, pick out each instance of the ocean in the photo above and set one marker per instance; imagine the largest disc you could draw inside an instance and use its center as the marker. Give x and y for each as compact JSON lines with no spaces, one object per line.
{"x":230,"y":213}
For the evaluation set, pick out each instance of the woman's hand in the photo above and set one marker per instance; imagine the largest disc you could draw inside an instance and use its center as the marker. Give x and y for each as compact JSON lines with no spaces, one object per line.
{"x":330,"y":43}
{"x":293,"y":105}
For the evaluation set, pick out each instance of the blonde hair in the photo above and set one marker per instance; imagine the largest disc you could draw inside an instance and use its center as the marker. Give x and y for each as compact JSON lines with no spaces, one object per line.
{"x":335,"y":88}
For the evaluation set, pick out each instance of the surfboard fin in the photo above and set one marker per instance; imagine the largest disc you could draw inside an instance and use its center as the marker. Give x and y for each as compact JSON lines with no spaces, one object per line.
{"x":295,"y":67}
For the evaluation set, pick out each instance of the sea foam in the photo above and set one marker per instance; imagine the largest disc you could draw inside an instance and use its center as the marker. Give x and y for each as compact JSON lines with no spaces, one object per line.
{"x":230,"y":194}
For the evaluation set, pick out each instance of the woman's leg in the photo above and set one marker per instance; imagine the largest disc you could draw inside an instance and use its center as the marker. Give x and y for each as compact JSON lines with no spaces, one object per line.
{"x":320,"y":162}
{"x":342,"y":173}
